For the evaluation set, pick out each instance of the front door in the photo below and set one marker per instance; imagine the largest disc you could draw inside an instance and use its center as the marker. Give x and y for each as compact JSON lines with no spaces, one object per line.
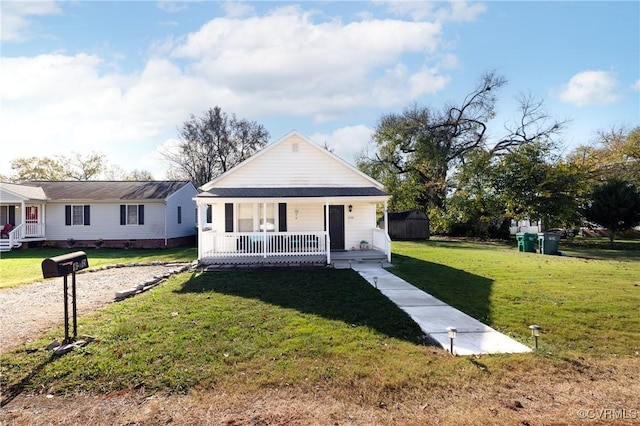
{"x":32,"y":220}
{"x":336,"y":227}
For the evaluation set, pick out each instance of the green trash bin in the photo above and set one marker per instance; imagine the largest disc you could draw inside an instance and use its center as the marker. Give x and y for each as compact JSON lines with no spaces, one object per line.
{"x":526,"y":242}
{"x":549,"y":242}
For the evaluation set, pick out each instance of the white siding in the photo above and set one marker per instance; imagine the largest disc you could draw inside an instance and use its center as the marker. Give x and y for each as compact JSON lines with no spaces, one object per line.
{"x":184,"y":198}
{"x":310,"y":217}
{"x":105,"y":222}
{"x":287,"y":166}
{"x":359,"y":224}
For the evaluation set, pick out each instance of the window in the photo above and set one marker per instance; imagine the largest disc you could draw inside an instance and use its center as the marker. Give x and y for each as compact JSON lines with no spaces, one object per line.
{"x":4,"y":215}
{"x":251,"y":217}
{"x":131,"y":214}
{"x":270,"y":217}
{"x":77,"y":215}
{"x":179,"y":214}
{"x":245,"y":217}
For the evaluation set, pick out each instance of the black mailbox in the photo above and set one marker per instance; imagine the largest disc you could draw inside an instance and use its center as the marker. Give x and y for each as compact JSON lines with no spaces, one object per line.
{"x":65,"y":264}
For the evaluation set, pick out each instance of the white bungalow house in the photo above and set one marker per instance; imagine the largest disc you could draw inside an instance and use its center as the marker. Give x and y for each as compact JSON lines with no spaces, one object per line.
{"x":150,"y":214}
{"x":292,"y":201}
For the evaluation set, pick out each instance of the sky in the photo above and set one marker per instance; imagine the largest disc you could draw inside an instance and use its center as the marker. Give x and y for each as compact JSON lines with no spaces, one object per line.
{"x":120,"y":78}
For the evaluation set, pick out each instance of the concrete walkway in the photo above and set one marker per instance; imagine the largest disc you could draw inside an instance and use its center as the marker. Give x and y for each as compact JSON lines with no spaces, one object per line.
{"x":434,"y":316}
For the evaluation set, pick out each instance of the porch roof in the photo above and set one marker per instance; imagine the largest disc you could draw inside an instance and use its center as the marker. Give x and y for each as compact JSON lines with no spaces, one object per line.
{"x":293,"y":192}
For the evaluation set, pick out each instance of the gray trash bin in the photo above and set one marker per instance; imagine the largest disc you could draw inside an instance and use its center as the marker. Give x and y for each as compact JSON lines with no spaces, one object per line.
{"x":549,"y":243}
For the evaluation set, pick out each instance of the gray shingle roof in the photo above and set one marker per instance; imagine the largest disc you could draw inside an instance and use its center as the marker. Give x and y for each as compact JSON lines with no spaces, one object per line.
{"x":108,"y":190}
{"x":290,"y":192}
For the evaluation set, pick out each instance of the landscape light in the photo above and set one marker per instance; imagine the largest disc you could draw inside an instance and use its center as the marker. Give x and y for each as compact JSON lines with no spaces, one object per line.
{"x":375,"y":281}
{"x":453,"y":332}
{"x":535,"y":332}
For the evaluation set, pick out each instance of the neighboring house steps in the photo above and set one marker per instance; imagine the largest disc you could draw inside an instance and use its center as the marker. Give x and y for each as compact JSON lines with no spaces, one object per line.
{"x":6,"y":245}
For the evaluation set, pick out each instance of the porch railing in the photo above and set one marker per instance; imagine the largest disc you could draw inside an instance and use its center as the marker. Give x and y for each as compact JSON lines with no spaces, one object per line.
{"x":382,"y":242}
{"x":270,"y":244}
{"x":33,"y":230}
{"x":16,"y":235}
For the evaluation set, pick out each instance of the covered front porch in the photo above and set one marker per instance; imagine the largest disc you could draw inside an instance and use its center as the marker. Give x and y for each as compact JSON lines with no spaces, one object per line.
{"x":21,"y":221}
{"x":290,"y":231}
{"x":285,"y":249}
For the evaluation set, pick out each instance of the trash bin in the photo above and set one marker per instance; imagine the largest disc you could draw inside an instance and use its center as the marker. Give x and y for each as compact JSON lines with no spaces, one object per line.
{"x":526,"y":242}
{"x":549,"y":242}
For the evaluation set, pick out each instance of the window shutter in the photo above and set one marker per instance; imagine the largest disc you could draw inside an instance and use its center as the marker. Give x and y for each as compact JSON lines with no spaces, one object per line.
{"x":123,"y":214}
{"x":67,"y":215}
{"x":209,"y":214}
{"x":87,"y":215}
{"x":228,"y":217}
{"x":12,"y":215}
{"x":282,"y":217}
{"x":141,"y":214}
{"x":179,"y":214}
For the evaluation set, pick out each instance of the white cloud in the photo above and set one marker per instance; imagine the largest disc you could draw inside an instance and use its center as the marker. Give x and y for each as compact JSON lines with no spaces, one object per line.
{"x":288,"y":62}
{"x":237,"y":9}
{"x":347,"y":143}
{"x":636,"y":86}
{"x":285,"y":61}
{"x":590,"y":88}
{"x":14,"y":19}
{"x":454,"y":11}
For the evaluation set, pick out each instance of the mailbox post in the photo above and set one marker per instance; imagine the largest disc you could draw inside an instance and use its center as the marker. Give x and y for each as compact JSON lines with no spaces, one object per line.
{"x":62,"y":266}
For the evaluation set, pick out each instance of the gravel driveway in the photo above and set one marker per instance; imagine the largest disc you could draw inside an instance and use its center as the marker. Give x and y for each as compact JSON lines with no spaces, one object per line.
{"x":29,"y":310}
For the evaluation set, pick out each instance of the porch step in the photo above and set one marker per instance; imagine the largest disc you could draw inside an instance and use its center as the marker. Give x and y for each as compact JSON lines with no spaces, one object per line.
{"x":5,"y":246}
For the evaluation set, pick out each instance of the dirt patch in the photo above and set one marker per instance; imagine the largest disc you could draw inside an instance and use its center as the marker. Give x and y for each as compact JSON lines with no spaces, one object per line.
{"x":590,"y":393}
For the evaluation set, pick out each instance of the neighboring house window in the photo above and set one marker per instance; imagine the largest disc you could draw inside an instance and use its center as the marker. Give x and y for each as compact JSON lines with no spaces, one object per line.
{"x":77,"y":215}
{"x":131,"y":214}
{"x":4,"y":215}
{"x":179,"y":214}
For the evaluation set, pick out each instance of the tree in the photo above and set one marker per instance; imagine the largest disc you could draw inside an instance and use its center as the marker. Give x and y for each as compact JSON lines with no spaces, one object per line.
{"x":77,"y":167}
{"x":533,"y":183}
{"x":614,"y":205}
{"x":85,"y":168}
{"x":37,"y":168}
{"x":613,"y":154}
{"x":414,"y":152}
{"x":212,"y":144}
{"x":474,"y":208}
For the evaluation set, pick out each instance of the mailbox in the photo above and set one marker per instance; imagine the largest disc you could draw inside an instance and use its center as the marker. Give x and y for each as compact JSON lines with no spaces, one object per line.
{"x":65,"y":264}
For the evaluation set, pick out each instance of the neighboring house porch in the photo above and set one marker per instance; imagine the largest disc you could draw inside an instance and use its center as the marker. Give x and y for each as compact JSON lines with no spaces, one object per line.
{"x":24,"y":209}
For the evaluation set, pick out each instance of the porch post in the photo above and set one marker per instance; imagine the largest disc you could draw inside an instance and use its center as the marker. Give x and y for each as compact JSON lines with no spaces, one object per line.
{"x":199,"y":225}
{"x":386,"y":231}
{"x":327,"y":239}
{"x":264,"y":230}
{"x":386,"y":219}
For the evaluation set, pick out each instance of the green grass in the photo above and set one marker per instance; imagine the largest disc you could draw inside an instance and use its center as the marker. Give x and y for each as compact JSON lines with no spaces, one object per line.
{"x":329,"y":329}
{"x":269,"y":327}
{"x":24,"y":266}
{"x":588,"y":304}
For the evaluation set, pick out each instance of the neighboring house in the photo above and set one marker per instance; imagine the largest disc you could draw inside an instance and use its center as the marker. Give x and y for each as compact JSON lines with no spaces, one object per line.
{"x":292,"y":201}
{"x":150,"y":214}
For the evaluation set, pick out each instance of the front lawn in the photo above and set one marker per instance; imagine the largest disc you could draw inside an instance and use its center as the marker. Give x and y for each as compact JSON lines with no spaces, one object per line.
{"x":24,"y":266}
{"x":317,"y":346}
